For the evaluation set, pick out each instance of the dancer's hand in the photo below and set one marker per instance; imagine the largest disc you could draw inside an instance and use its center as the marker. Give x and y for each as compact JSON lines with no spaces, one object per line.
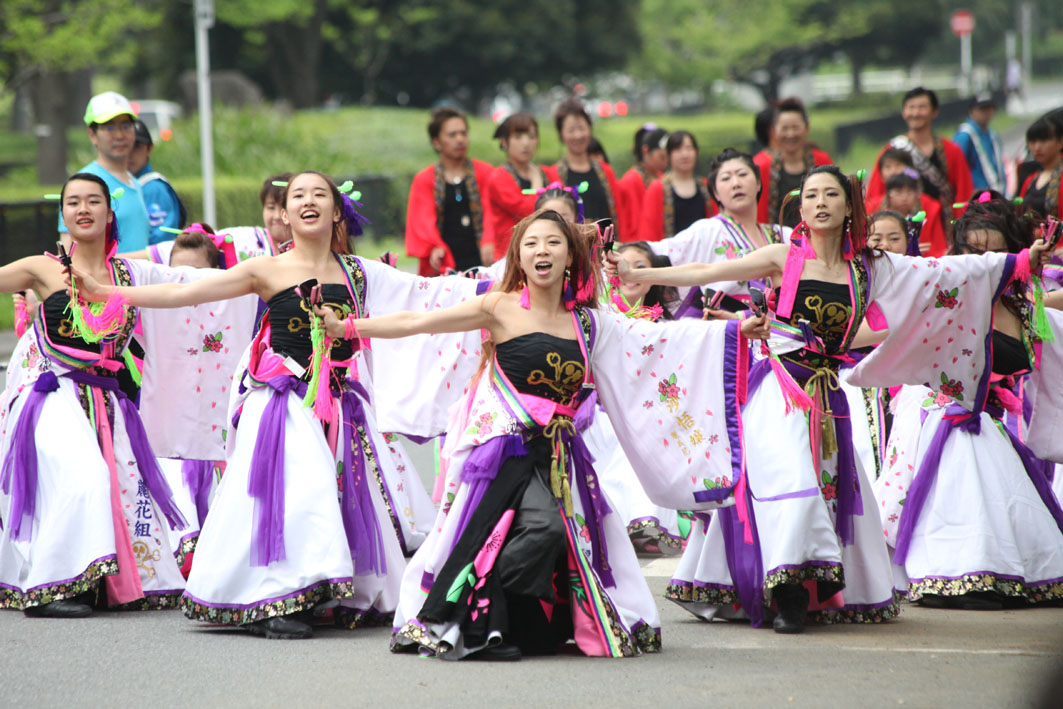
{"x":713,"y":314}
{"x":334,"y":327}
{"x":435,"y":259}
{"x":1039,"y":255}
{"x":90,"y":290}
{"x":756,"y":328}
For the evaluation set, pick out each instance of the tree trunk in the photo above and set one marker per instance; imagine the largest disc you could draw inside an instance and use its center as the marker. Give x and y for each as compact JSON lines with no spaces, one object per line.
{"x":50,"y":95}
{"x":296,"y":69}
{"x":856,"y":66}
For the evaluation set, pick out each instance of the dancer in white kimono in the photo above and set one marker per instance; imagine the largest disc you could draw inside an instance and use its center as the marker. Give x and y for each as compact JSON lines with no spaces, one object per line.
{"x":964,"y":502}
{"x":804,"y":521}
{"x":83,"y":504}
{"x":526,"y":553}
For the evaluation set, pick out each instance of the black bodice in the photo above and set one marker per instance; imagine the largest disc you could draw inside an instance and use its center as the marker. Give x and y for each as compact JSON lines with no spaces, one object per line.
{"x":827,"y":307}
{"x":289,"y":323}
{"x":543,"y":365}
{"x":60,"y":326}
{"x":1009,"y":355}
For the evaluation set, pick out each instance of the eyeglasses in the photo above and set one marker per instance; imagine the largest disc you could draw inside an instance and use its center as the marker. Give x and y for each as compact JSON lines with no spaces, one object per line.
{"x":116,"y":127}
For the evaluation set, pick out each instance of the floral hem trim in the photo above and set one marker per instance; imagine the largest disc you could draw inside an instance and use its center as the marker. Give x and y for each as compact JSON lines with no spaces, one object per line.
{"x":859,"y":613}
{"x":647,"y":638}
{"x":84,"y":582}
{"x":829,"y":572}
{"x":686,"y":592}
{"x":413,"y":634}
{"x":983,"y":582}
{"x":351,"y":618}
{"x":154,"y":602}
{"x":188,"y":546}
{"x":298,"y":601}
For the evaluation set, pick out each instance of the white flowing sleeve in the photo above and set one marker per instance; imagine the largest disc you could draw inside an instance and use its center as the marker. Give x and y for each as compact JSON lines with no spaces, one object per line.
{"x":672,"y":393}
{"x":1044,"y":388}
{"x":939,"y":313}
{"x":418,"y":378}
{"x":190,"y":356}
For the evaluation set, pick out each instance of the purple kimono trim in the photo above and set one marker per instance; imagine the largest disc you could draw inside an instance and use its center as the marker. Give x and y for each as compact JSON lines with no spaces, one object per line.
{"x":364,"y":537}
{"x":731,"y":377}
{"x":102,"y":559}
{"x":480,"y":469}
{"x":686,"y":308}
{"x":483,"y":286}
{"x":198,"y":476}
{"x":420,"y":440}
{"x":265,"y":601}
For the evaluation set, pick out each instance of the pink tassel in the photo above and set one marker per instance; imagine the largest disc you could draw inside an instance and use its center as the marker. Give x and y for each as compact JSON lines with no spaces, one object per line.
{"x":524,"y":298}
{"x":586,"y":289}
{"x":1022,"y":267}
{"x":792,"y":393}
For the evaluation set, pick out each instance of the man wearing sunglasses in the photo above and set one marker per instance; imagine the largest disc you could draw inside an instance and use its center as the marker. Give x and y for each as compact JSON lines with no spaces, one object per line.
{"x":109,"y":118}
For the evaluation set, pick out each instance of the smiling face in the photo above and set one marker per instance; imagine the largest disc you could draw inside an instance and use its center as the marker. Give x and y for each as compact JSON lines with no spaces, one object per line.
{"x":918,"y":112}
{"x":544,"y":254}
{"x":790,"y":132}
{"x":823,"y":204}
{"x":889,"y":235}
{"x":635,"y":258}
{"x":86,"y":210}
{"x":310,"y":209}
{"x":576,"y":134}
{"x":736,"y":186}
{"x":520,"y":147}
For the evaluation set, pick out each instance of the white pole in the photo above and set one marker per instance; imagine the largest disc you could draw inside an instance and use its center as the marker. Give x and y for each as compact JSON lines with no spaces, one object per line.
{"x":965,"y":64}
{"x":204,"y":14}
{"x":1026,"y":12}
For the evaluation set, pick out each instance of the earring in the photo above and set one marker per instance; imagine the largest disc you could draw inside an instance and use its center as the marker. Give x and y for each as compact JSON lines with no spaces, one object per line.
{"x":847,"y":245}
{"x":568,"y":293}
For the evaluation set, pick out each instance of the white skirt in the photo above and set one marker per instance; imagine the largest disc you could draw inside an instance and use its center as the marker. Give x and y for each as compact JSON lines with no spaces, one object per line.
{"x":798,"y":542}
{"x":983,"y":526}
{"x":225,"y":588}
{"x":72,"y":546}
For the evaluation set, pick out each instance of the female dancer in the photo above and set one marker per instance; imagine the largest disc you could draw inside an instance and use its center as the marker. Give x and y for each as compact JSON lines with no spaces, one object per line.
{"x":297,"y":524}
{"x":678,"y":198}
{"x":603,"y":190}
{"x":1042,"y":192}
{"x":83,"y":501}
{"x":783,"y":170}
{"x":518,"y":136}
{"x":964,"y":501}
{"x":525,"y":551}
{"x":651,"y":160}
{"x":801,"y":521}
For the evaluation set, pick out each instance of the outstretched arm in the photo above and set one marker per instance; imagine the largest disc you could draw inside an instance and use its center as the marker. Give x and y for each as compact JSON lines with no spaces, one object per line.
{"x":237,"y":281}
{"x":473,"y":314}
{"x":762,"y":263}
{"x":22,"y":274}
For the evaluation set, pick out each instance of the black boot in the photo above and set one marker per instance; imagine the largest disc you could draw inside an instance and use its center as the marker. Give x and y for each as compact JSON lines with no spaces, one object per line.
{"x":792,"y":599}
{"x":283,"y":627}
{"x":66,"y":608}
{"x":502,"y":652}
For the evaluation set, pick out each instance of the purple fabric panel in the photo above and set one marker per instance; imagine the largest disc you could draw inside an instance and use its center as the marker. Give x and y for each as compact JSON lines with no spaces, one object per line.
{"x":483,"y":286}
{"x":1035,"y":469}
{"x":198,"y":476}
{"x":595,"y":508}
{"x":477,"y":489}
{"x":419,"y":440}
{"x":364,"y":538}
{"x":266,"y":479}
{"x":19,"y":476}
{"x":744,"y":560}
{"x":733,"y":409}
{"x":687,"y":308}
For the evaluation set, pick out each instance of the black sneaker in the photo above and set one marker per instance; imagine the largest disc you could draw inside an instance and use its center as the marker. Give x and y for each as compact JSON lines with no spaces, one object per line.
{"x":280,"y":628}
{"x":66,"y":608}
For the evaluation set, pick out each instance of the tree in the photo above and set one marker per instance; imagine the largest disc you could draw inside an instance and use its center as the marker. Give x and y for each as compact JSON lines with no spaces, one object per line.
{"x":47,"y":42}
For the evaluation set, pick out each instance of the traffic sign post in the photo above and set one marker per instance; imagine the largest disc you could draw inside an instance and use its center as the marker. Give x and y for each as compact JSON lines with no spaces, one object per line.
{"x":962,"y":24}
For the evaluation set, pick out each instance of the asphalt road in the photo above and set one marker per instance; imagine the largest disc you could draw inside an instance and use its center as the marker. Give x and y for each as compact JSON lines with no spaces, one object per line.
{"x":924,"y":658}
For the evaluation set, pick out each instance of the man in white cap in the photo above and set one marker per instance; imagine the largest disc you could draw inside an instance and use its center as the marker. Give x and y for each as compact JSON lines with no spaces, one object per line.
{"x":109,"y":118}
{"x":981,"y":144}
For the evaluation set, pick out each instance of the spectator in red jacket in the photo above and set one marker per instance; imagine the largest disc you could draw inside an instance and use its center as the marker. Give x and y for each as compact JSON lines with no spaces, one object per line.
{"x":678,"y":198}
{"x":651,"y":160}
{"x":518,"y":136}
